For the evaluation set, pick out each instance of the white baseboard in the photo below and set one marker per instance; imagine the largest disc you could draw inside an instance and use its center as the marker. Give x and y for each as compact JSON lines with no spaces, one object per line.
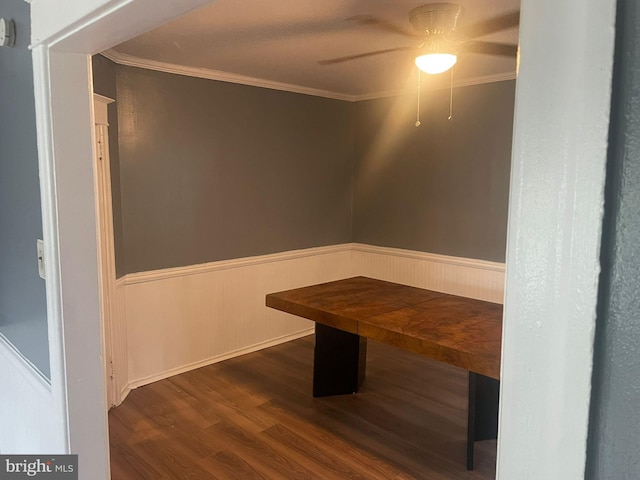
{"x":219,"y":358}
{"x":123,"y":394}
{"x":179,"y":319}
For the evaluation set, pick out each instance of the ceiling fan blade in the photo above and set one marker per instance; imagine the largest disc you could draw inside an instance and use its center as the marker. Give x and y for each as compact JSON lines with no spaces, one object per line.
{"x":382,"y":25}
{"x":490,"y":48}
{"x":331,"y":61}
{"x":494,"y":24}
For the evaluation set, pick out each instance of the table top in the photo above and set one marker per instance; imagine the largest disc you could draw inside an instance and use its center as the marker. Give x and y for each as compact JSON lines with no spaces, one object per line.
{"x":456,"y":330}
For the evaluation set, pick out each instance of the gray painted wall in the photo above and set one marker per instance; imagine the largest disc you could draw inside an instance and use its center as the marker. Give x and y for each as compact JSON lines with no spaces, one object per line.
{"x":614,"y":437}
{"x":442,"y":187}
{"x":104,"y":83}
{"x":23,"y":314}
{"x":205,"y":170}
{"x":212,"y":170}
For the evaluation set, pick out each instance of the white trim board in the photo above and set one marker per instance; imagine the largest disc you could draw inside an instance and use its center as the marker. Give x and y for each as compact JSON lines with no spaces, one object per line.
{"x":432,"y":257}
{"x":161,"y":274}
{"x":42,"y":77}
{"x":218,"y":358}
{"x":22,"y":363}
{"x":206,"y":73}
{"x":131,"y":61}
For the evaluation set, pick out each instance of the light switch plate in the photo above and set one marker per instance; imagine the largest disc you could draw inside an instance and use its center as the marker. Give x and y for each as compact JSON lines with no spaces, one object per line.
{"x":40,"y":247}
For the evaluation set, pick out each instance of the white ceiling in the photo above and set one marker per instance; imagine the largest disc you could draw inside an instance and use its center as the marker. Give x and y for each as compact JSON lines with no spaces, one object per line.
{"x":281,"y":42}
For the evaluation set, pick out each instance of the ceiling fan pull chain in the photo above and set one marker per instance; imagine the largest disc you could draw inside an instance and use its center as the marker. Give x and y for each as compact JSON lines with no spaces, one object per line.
{"x":418,"y":108}
{"x":451,"y":97}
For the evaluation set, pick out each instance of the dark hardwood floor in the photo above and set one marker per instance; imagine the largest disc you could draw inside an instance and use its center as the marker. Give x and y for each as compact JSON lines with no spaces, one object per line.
{"x":253,"y":417}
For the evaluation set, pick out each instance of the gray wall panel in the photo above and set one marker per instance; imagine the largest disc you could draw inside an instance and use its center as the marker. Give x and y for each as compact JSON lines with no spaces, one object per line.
{"x":441,"y":187}
{"x":213,"y":171}
{"x":104,"y":83}
{"x":614,"y":430}
{"x":23,"y":312}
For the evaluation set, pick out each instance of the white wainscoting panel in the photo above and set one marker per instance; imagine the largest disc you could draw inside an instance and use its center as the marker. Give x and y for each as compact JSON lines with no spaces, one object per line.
{"x":177,"y":319}
{"x":458,"y":276}
{"x":183,"y":318}
{"x":26,"y":406}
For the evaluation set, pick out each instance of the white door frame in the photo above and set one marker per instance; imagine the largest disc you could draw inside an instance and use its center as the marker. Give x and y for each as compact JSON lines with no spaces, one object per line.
{"x":558,"y":172}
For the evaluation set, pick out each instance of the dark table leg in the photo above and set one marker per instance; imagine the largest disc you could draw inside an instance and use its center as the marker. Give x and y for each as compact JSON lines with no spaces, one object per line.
{"x":339,"y":362}
{"x":484,"y":393}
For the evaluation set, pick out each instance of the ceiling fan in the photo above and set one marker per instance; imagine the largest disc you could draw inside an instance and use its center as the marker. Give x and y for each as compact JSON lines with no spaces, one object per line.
{"x":442,"y":36}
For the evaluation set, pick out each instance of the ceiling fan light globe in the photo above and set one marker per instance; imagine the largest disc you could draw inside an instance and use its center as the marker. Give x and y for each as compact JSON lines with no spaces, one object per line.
{"x":434,"y":63}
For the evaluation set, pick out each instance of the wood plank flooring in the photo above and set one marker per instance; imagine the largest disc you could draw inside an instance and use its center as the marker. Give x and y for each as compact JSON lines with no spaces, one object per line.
{"x":253,"y":417}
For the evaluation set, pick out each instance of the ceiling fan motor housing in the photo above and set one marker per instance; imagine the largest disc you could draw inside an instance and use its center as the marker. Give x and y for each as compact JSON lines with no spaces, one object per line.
{"x":436,"y":18}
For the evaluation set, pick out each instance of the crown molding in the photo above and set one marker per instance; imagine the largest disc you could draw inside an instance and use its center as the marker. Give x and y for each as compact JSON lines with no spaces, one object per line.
{"x":467,"y":82}
{"x":496,"y":77}
{"x":132,"y":61}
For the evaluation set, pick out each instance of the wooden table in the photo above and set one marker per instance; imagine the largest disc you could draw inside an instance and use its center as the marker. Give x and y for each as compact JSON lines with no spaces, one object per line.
{"x":456,"y":330}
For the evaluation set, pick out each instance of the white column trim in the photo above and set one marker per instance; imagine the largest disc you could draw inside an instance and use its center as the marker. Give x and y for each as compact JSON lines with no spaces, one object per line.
{"x":100,"y":110}
{"x":553,"y":249}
